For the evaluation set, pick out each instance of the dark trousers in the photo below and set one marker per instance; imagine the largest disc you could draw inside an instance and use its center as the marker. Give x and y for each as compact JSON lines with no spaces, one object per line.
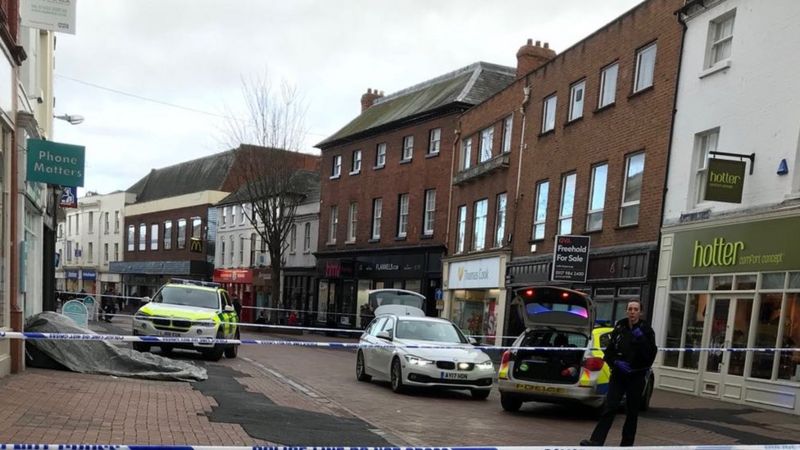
{"x":632,"y":386}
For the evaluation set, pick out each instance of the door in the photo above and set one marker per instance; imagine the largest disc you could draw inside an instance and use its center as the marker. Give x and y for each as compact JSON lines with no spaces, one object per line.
{"x":384,"y":351}
{"x":722,"y":371}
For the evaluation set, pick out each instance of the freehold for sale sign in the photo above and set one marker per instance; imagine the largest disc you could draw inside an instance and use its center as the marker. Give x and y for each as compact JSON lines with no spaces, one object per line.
{"x":570,"y":258}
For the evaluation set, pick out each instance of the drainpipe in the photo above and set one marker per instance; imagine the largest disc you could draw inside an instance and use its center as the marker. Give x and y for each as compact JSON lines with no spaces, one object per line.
{"x":16,"y":312}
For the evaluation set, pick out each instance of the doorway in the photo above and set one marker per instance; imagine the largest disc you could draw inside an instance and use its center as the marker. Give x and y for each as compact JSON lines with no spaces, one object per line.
{"x":722,"y":372}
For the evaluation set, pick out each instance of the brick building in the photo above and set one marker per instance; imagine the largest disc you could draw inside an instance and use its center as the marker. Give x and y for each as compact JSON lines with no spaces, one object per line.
{"x":385,"y":189}
{"x":597,"y":138}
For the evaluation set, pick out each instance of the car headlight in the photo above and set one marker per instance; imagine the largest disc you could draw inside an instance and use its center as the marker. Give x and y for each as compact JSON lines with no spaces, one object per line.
{"x":486,"y":365}
{"x":141,"y":316}
{"x":417,"y":361}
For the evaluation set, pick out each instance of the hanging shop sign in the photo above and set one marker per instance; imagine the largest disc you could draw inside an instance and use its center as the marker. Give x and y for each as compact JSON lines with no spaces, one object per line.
{"x":725,"y":180}
{"x":55,"y":163}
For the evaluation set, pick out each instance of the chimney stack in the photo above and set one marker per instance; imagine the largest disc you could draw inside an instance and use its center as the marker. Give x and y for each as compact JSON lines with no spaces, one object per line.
{"x":530,"y":57}
{"x":369,"y":98}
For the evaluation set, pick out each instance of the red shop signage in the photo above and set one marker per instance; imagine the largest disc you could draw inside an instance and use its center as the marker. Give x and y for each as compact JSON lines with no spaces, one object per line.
{"x":244,"y":276}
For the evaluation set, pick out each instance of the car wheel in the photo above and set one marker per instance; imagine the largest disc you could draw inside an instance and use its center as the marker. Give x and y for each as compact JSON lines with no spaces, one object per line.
{"x":232,"y":350}
{"x":397,"y":377}
{"x":480,"y":394}
{"x":510,"y":403}
{"x":361,"y":369}
{"x":647,"y":394}
{"x":141,"y":347}
{"x":215,"y":353}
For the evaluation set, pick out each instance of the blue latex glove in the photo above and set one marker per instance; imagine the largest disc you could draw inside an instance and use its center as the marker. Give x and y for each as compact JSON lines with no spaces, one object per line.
{"x":637,"y":333}
{"x":624,"y":366}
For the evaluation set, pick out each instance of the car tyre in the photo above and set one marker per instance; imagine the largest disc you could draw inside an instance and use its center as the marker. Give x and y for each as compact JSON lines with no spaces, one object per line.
{"x":510,"y":402}
{"x":647,"y":394}
{"x":215,"y":353}
{"x":397,"y":377}
{"x":232,"y":350}
{"x":141,"y":347}
{"x":480,"y":394}
{"x":361,"y":368}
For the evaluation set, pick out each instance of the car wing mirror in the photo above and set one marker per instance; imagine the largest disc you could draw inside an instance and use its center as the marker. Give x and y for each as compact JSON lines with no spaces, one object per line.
{"x":472,"y":340}
{"x":146,"y":299}
{"x":384,"y":335}
{"x":228,"y":308}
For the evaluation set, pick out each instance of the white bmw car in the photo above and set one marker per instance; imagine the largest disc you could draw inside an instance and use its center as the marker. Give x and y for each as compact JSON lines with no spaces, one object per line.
{"x":388,"y":351}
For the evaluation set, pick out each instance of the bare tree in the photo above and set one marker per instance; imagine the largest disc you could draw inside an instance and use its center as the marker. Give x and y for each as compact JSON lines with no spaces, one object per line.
{"x":272,"y":179}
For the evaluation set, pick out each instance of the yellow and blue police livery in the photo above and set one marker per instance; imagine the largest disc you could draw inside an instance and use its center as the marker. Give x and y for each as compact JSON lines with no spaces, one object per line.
{"x":558,"y":358}
{"x":189,"y":308}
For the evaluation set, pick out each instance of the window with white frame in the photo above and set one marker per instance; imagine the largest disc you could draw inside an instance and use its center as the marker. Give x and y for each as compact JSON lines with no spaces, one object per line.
{"x":466,"y":153}
{"x":576,"y":94}
{"x":197,"y":227}
{"x":380,"y":155}
{"x":487,"y":138}
{"x":142,"y":237}
{"x":234,"y":213}
{"x":116,"y":251}
{"x":232,"y":250}
{"x":597,"y":198}
{"x":131,"y":238}
{"x":479,"y":225}
{"x":377,"y":211}
{"x":242,"y":213}
{"x":402,"y":216}
{"x":253,"y":259}
{"x":430,"y":212}
{"x":69,"y":250}
{"x":116,"y":221}
{"x":549,"y":113}
{"x":632,"y":189}
{"x":500,"y":221}
{"x":704,"y":144}
{"x":307,"y":238}
{"x":78,"y":223}
{"x":181,"y":233}
{"x":720,"y":39}
{"x":608,"y":85}
{"x":567,"y":203}
{"x":508,"y":123}
{"x":222,"y":253}
{"x":106,"y":223}
{"x":408,"y":148}
{"x":645,"y":67}
{"x":462,"y":229}
{"x":540,"y":209}
{"x":293,"y":239}
{"x":91,"y":252}
{"x":241,"y":250}
{"x":105,"y":254}
{"x":352,"y":222}
{"x":435,"y":141}
{"x":224,"y":215}
{"x":356,"y":165}
{"x":167,"y":235}
{"x":333,"y":225}
{"x":153,"y":236}
{"x":336,"y":167}
{"x":91,"y":222}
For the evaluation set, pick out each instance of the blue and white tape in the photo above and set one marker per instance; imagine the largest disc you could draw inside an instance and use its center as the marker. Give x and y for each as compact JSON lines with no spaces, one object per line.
{"x":154,"y":340}
{"x":218,"y":447}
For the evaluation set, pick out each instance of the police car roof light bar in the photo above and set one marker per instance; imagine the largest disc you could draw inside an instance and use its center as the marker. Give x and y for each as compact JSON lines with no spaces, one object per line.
{"x":195,"y":282}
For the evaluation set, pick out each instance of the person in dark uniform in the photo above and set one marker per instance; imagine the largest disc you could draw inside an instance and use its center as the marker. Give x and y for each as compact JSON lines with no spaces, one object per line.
{"x":237,"y":306}
{"x":630,"y":353}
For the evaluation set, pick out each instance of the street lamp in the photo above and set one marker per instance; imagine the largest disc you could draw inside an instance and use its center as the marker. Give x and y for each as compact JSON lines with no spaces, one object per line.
{"x":73,"y":119}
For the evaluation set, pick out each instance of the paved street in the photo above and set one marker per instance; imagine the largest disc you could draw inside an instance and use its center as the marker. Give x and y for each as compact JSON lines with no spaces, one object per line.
{"x":309,"y":396}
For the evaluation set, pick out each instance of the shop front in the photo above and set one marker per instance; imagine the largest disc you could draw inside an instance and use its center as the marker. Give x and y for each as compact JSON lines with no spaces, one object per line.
{"x":730,"y":286}
{"x":248,"y":285}
{"x":614,"y":276}
{"x":345,"y":282}
{"x":475,"y":295}
{"x":299,"y":294}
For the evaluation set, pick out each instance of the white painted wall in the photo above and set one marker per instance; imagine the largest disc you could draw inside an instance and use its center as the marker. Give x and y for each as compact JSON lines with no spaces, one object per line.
{"x":755,"y":103}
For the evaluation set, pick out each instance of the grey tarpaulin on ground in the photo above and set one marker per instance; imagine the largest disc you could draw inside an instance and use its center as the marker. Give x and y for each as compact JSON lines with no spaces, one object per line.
{"x":102,"y":357}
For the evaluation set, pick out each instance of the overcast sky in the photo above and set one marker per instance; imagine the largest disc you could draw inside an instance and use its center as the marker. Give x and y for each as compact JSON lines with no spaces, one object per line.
{"x":193,"y":54}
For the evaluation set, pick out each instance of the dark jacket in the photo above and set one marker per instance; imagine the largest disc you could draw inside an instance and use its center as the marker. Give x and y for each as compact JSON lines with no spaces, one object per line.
{"x":638,"y":352}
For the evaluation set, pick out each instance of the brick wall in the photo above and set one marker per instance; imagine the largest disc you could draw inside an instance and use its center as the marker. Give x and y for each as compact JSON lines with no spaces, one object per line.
{"x":175,"y":254}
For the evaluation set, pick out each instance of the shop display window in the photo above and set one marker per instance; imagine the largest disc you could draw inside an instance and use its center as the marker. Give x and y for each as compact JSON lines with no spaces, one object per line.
{"x":677,"y":307}
{"x":773,"y":280}
{"x":789,"y":366}
{"x":741,"y":326}
{"x":766,"y":335}
{"x":693,"y":336}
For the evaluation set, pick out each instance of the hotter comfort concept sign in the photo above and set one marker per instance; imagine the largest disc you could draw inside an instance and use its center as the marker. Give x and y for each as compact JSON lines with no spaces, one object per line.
{"x":54,"y":163}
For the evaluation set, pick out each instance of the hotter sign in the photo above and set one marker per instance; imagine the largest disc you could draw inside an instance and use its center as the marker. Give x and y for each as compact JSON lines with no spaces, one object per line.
{"x":570,"y":259}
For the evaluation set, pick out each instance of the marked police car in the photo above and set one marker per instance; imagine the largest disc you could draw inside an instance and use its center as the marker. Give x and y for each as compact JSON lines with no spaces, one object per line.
{"x":387,"y":351}
{"x":557,"y":318}
{"x":188,"y":308}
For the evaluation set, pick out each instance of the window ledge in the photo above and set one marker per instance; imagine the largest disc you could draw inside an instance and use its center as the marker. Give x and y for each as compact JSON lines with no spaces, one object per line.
{"x":405,"y":161}
{"x":547,"y":133}
{"x":431,"y":155}
{"x":426,"y":236}
{"x":535,"y":241}
{"x":330,"y":244}
{"x":625,"y":227}
{"x":349,"y":242}
{"x":400,"y":238}
{"x":572,"y":122}
{"x":374,"y":241}
{"x":378,"y":167}
{"x":605,"y":108}
{"x":593,"y":231}
{"x":718,"y":67}
{"x":335,"y":177}
{"x":306,"y":252}
{"x":640,"y":92}
{"x":355,"y":172}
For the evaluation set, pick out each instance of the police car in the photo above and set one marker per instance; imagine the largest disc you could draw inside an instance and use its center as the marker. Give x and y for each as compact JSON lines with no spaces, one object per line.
{"x":566,"y":365}
{"x":188,"y":308}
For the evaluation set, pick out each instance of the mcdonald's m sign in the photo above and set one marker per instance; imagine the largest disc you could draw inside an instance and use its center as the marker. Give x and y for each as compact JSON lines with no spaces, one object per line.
{"x":195,"y":245}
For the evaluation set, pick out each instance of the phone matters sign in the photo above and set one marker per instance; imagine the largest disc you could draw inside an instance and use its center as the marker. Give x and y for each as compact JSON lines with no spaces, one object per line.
{"x":570,"y":259}
{"x":54,"y":163}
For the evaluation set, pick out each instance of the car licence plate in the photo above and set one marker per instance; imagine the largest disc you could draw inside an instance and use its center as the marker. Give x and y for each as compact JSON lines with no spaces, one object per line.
{"x":169,"y":333}
{"x":540,"y":389}
{"x":453,"y":376}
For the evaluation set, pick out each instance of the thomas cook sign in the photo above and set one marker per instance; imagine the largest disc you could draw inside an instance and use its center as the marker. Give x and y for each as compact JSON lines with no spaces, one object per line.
{"x":725,"y":180}
{"x":54,"y":163}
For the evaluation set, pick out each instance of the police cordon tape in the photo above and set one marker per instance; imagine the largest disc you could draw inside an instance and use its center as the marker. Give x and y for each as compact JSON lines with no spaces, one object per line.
{"x":32,"y":335}
{"x":264,"y":447}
